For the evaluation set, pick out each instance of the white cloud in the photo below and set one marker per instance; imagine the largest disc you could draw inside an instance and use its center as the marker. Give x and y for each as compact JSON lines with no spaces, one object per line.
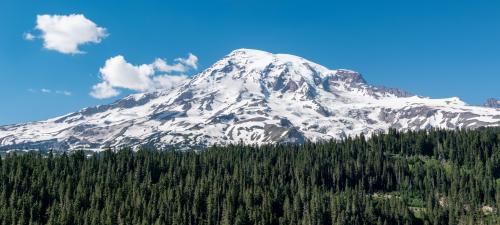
{"x":29,"y":37}
{"x":67,"y":93}
{"x":103,"y":90}
{"x":169,"y":81}
{"x":182,"y":65}
{"x":49,"y":91}
{"x":65,"y":33}
{"x":118,"y":73}
{"x":162,"y":66}
{"x":191,"y":61}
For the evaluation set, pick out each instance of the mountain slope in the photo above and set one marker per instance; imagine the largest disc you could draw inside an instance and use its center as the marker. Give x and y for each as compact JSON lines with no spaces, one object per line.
{"x":493,"y":103}
{"x":253,"y":97}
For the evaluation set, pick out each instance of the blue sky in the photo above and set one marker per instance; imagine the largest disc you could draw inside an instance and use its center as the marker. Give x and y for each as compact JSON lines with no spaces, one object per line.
{"x":431,"y":48}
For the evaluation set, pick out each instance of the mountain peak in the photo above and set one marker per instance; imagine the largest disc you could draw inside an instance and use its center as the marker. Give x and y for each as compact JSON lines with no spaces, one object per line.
{"x":254,"y":97}
{"x":246,"y":60}
{"x":248,"y":51}
{"x":266,"y":72}
{"x":255,"y":56}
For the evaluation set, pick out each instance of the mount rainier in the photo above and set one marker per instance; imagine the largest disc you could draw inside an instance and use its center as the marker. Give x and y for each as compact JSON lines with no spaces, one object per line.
{"x":253,"y":97}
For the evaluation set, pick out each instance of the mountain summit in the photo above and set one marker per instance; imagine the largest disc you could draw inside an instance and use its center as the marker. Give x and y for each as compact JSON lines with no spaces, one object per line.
{"x":253,"y":97}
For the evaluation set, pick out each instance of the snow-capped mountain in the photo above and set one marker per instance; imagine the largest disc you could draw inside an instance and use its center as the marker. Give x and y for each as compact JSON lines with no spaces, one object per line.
{"x":493,"y":103}
{"x":253,"y":97}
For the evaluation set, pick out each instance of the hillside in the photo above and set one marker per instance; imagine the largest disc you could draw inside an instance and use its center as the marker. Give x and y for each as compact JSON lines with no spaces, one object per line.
{"x":436,"y":177}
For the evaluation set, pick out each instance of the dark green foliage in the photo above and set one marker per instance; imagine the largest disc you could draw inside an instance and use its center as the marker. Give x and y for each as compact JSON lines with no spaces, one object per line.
{"x":425,"y":177}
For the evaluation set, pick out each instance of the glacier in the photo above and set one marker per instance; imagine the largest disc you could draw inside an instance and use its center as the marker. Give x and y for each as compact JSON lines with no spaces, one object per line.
{"x":251,"y":97}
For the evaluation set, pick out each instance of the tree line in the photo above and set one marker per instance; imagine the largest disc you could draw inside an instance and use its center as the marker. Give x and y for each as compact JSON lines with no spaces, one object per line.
{"x":415,"y":177}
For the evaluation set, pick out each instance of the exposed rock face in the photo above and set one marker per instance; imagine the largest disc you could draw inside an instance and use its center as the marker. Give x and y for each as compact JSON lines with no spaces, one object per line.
{"x":253,"y":97}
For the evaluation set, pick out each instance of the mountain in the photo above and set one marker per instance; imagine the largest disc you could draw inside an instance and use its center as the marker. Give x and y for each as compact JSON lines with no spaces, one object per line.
{"x":253,"y":97}
{"x":492,"y":103}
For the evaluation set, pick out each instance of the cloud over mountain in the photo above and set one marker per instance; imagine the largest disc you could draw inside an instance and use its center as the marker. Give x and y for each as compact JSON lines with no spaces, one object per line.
{"x":118,"y":73}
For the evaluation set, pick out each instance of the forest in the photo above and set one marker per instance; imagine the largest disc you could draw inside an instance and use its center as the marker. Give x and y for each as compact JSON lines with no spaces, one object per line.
{"x":416,"y":177}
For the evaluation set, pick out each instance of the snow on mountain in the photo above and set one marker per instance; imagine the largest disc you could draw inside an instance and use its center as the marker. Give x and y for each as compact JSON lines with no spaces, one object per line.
{"x":253,"y":97}
{"x":492,"y":103}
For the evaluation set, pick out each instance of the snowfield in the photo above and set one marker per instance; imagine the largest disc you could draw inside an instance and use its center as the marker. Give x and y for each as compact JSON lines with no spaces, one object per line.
{"x":253,"y":97}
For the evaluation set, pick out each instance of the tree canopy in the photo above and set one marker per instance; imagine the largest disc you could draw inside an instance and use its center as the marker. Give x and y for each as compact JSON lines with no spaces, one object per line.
{"x":415,"y":177}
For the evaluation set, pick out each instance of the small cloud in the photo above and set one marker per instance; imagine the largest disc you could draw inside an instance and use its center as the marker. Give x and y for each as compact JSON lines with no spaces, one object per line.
{"x":182,"y":65}
{"x":65,"y":33}
{"x":161,"y":65}
{"x":103,"y":90}
{"x":191,"y":61}
{"x":48,"y":91}
{"x":118,"y":73}
{"x":67,"y":93}
{"x":29,"y":37}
